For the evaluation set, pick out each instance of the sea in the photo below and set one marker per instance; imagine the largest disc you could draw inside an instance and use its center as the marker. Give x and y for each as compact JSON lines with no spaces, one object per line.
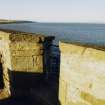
{"x":73,"y":32}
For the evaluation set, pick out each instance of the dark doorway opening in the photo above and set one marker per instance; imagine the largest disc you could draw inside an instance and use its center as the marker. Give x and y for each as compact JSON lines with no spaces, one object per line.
{"x":1,"y":76}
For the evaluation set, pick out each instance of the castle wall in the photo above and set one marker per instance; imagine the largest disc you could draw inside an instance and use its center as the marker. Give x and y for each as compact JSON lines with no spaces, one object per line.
{"x":6,"y":63}
{"x":82,"y":75}
{"x":23,"y":62}
{"x":26,"y":56}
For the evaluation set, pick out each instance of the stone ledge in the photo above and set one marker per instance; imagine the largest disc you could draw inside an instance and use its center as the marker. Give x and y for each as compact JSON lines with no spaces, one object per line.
{"x":82,"y":44}
{"x":17,"y":36}
{"x":83,"y":49}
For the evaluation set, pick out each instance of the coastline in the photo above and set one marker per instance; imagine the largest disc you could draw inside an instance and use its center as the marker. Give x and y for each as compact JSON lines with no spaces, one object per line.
{"x":3,"y":21}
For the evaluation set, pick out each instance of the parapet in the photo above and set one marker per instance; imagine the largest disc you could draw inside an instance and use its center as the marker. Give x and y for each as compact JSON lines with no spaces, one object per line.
{"x":82,"y":74}
{"x":17,"y":36}
{"x":21,"y":52}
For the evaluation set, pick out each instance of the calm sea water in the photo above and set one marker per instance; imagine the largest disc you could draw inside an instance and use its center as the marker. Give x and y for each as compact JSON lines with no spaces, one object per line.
{"x":87,"y":33}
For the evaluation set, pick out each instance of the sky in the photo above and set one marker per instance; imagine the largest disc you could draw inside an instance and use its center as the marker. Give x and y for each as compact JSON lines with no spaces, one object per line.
{"x":54,"y":10}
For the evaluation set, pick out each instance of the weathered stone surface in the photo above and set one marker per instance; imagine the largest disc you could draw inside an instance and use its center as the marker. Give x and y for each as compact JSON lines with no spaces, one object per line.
{"x":62,"y":91}
{"x":70,"y":48}
{"x":82,"y":75}
{"x":21,"y":52}
{"x":25,"y":46}
{"x":38,"y":63}
{"x":4,"y":35}
{"x":4,"y":94}
{"x":30,"y":38}
{"x":26,"y":52}
{"x":22,"y":63}
{"x":28,"y":64}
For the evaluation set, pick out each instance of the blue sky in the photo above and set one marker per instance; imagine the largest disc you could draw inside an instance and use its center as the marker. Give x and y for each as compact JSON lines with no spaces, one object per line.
{"x":54,"y":10}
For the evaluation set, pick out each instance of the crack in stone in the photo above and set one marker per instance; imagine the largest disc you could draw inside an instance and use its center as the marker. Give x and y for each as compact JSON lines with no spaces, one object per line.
{"x":83,"y":51}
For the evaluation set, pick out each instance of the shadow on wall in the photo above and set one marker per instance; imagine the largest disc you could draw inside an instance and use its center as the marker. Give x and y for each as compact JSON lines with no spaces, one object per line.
{"x":22,"y":82}
{"x":1,"y":77}
{"x":52,"y":79}
{"x":29,"y":88}
{"x":34,"y":88}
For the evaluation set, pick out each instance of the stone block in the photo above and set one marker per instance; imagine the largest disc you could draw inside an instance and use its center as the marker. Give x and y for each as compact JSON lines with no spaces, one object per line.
{"x":21,"y":37}
{"x":38,"y":63}
{"x":83,"y":73}
{"x":25,"y":46}
{"x":26,"y":52}
{"x":27,"y":64}
{"x":22,"y":63}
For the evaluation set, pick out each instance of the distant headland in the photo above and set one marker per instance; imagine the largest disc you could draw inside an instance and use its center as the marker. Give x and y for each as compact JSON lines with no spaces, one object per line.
{"x":5,"y":21}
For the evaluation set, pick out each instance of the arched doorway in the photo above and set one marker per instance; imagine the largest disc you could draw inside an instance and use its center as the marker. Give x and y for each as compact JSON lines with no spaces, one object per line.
{"x":1,"y":73}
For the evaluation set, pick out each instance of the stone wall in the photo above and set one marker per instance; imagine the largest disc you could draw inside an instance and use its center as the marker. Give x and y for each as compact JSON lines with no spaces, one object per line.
{"x":82,"y":75}
{"x":6,"y":63}
{"x":22,"y":56}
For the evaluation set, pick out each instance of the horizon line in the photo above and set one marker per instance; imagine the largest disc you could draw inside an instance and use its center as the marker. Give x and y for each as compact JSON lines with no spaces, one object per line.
{"x":41,"y":21}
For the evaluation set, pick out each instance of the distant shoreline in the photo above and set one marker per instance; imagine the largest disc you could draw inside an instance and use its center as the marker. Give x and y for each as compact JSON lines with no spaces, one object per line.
{"x":13,"y":21}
